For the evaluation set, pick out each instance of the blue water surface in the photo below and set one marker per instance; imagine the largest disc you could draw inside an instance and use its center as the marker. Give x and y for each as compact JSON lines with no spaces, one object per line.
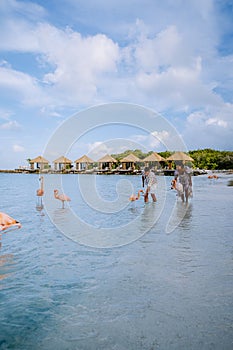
{"x":166,"y":289}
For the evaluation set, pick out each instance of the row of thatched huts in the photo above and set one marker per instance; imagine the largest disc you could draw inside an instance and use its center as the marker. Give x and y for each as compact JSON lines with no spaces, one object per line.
{"x":107,"y":162}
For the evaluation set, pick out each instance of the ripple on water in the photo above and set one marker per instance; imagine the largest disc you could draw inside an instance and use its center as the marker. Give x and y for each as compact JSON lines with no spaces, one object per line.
{"x":163,"y":291}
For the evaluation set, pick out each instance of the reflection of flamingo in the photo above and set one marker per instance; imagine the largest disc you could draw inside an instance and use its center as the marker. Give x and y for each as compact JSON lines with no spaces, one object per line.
{"x":8,"y":222}
{"x":62,"y":197}
{"x":5,"y":259}
{"x":134,"y":197}
{"x":40,"y":191}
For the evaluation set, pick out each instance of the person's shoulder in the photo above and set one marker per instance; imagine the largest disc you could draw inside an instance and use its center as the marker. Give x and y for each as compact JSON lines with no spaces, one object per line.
{"x":187,"y":169}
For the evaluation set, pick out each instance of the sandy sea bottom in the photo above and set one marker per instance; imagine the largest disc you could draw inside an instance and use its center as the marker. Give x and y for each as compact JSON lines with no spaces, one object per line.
{"x":159,"y":288}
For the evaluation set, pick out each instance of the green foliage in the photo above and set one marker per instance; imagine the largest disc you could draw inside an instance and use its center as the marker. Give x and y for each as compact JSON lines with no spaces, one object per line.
{"x":203,"y":158}
{"x":212,"y":159}
{"x":165,"y":154}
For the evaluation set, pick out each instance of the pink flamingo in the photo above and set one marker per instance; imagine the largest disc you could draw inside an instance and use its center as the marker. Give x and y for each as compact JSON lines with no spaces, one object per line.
{"x":213,"y":177}
{"x":62,"y":197}
{"x":134,"y":197}
{"x":8,"y":222}
{"x":40,"y":191}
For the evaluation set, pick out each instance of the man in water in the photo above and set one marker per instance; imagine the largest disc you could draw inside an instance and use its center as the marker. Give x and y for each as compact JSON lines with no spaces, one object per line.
{"x":151,"y":182}
{"x":183,"y":176}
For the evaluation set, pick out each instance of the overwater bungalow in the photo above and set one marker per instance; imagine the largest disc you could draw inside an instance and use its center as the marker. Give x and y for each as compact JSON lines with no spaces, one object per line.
{"x":83,"y":163}
{"x":178,"y":157}
{"x":39,"y":163}
{"x":153,"y":160}
{"x":106,"y":162}
{"x":129,"y":162}
{"x":62,"y":163}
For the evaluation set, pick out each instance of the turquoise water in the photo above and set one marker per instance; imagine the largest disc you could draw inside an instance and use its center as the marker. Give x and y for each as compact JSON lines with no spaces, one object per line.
{"x":156,"y":289}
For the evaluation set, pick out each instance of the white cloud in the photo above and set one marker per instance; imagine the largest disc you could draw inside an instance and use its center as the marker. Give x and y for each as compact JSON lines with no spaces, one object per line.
{"x":180,"y":88}
{"x":19,"y":8}
{"x":216,"y":121}
{"x":77,"y":65}
{"x":162,"y":68}
{"x":210,"y":128}
{"x":17,"y":24}
{"x":160,"y":51}
{"x":161,"y":140}
{"x":150,"y":142}
{"x":19,"y":36}
{"x":78,"y":72}
{"x":98,"y":149}
{"x":10,"y":125}
{"x":161,"y":136}
{"x":18,"y":148}
{"x":5,"y":114}
{"x":23,"y":86}
{"x":85,"y":69}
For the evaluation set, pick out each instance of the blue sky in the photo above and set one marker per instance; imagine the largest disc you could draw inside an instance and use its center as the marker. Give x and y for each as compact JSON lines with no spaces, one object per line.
{"x":60,"y":57}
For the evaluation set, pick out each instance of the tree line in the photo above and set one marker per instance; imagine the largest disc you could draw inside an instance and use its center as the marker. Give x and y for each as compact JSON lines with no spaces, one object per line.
{"x":212,"y":159}
{"x":203,"y":158}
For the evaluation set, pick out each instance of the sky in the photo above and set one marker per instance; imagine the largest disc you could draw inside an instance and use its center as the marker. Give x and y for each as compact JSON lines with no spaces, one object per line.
{"x":61,"y":57}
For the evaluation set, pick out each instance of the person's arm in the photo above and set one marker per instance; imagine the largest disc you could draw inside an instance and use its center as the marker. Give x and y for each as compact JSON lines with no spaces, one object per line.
{"x":143,"y":180}
{"x":190,"y":180}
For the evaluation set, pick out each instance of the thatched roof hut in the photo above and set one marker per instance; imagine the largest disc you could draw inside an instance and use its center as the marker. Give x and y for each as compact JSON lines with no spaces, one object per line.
{"x":180,"y":156}
{"x":129,"y":161}
{"x":62,"y":163}
{"x":40,"y":162}
{"x":154,"y":157}
{"x":83,"y":162}
{"x":153,"y":160}
{"x":106,"y":162}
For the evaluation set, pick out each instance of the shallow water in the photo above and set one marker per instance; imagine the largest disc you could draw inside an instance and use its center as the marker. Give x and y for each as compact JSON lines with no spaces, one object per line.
{"x":158,"y":289}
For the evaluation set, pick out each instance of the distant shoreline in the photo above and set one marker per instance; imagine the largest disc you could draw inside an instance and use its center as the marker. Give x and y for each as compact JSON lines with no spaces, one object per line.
{"x":165,"y":172}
